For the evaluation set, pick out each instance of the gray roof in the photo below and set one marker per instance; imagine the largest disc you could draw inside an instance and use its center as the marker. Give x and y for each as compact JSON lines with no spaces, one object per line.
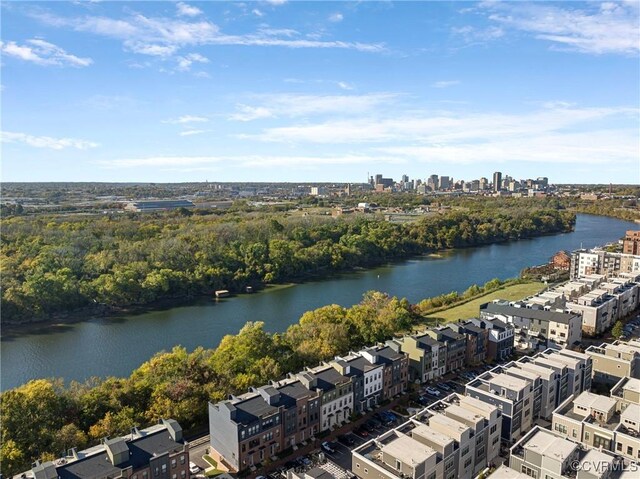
{"x":528,"y":313}
{"x":253,"y":408}
{"x":329,"y":378}
{"x":141,"y":451}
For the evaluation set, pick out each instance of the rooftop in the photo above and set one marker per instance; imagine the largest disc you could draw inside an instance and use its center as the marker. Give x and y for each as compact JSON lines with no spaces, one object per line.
{"x":509,"y":382}
{"x":590,"y":400}
{"x":554,"y":316}
{"x":432,"y":435}
{"x":408,"y":450}
{"x":549,"y":445}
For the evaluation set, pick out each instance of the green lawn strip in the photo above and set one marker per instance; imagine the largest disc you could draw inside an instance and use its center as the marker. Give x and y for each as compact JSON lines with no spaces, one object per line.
{"x":211,"y":472}
{"x":471,"y":308}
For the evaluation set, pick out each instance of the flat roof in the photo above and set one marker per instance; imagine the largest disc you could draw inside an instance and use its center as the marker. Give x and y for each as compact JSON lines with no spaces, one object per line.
{"x":631,"y":413}
{"x":431,"y":434}
{"x":590,"y":400}
{"x":595,"y":457}
{"x":549,"y":445}
{"x":450,"y":423}
{"x":509,"y":382}
{"x":632,"y":384}
{"x":477,"y":405}
{"x":408,"y":450}
{"x":540,"y":370}
{"x":463,"y":413}
{"x":505,"y":472}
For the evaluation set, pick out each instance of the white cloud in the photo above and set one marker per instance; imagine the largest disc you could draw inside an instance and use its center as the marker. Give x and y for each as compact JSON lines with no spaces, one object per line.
{"x":602,"y":28}
{"x":185,"y":10}
{"x":293,"y":105}
{"x":336,"y":17}
{"x":185,"y":62}
{"x":46,"y":141}
{"x":257,"y":12}
{"x":345,"y":85}
{"x":43,"y":53}
{"x":276,"y":2}
{"x":249,"y":113}
{"x":192,"y":132}
{"x":185,"y":119}
{"x":445,"y":83}
{"x":161,"y":36}
{"x":475,"y":36}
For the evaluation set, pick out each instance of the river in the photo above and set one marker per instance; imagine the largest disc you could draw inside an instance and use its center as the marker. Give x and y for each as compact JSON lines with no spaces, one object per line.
{"x":117,"y":345}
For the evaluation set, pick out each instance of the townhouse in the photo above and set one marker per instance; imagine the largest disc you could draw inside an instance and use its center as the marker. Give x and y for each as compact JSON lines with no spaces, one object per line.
{"x":500,"y":338}
{"x":427,"y":357}
{"x":158,"y":451}
{"x":537,"y":328}
{"x":456,"y":346}
{"x":613,"y":361}
{"x":600,"y":422}
{"x":545,"y":455}
{"x":247,"y":430}
{"x":625,"y":392}
{"x":477,"y":341}
{"x":395,"y":374}
{"x":445,"y":441}
{"x":513,"y":396}
{"x":599,"y":311}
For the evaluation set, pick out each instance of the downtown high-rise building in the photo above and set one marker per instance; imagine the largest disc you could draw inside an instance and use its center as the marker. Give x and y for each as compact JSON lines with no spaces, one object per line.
{"x":497,"y":181}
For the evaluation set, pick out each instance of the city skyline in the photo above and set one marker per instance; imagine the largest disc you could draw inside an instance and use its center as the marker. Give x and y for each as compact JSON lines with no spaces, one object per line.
{"x":326,"y":92}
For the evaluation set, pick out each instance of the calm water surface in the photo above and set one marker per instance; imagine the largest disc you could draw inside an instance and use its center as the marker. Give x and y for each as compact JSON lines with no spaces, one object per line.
{"x":116,"y":346}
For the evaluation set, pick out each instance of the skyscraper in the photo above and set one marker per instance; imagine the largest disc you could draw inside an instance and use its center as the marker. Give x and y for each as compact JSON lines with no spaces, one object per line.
{"x":497,"y":181}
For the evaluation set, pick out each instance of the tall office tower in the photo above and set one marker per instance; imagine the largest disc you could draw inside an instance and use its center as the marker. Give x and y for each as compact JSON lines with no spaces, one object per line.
{"x":378,"y":179}
{"x":484,"y":183}
{"x":433,"y":183}
{"x":445,"y":183}
{"x":405,"y":178}
{"x":497,"y":181}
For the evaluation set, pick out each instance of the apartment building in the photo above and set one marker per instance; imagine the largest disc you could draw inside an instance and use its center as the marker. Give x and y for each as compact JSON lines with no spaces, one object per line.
{"x":395,"y":374}
{"x":456,"y":346}
{"x":625,"y":292}
{"x":511,"y":395}
{"x":597,"y":421}
{"x":545,"y":455}
{"x":158,"y":451}
{"x":500,"y":336}
{"x":579,"y":366}
{"x":613,"y":361}
{"x":301,"y":411}
{"x":599,"y":261}
{"x":631,"y":243}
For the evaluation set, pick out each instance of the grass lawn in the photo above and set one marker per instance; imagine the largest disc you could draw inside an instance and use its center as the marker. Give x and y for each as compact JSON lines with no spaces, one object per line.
{"x":212,"y":472}
{"x":472,"y":308}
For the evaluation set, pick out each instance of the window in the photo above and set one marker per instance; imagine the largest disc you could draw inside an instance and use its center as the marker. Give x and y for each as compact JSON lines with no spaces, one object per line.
{"x":529,"y":472}
{"x":629,"y":451}
{"x":174,"y":463}
{"x":619,"y":446}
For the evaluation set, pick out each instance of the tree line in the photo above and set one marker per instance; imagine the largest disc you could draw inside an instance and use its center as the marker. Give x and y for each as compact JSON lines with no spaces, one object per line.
{"x":44,"y":418}
{"x":57,"y":264}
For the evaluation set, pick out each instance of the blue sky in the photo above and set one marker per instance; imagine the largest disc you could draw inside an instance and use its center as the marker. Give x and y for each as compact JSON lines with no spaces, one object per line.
{"x":320,"y":91}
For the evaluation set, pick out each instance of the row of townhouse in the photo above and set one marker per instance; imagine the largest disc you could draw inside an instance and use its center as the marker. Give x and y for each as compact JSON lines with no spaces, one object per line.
{"x":440,"y":351}
{"x":600,"y":300}
{"x":249,"y":429}
{"x":456,"y":437}
{"x":606,"y":422}
{"x":532,"y":387}
{"x":613,"y":361}
{"x":544,"y":454}
{"x":536,"y":329}
{"x":156,"y":452}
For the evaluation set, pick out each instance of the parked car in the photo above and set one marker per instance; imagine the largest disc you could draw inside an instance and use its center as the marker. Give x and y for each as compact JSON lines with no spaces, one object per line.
{"x":374,"y":423}
{"x":361,"y":431}
{"x":433,"y":391}
{"x":444,"y":386}
{"x":453,"y":385}
{"x":193,"y":468}
{"x":305,"y":461}
{"x":392,"y":416}
{"x":424,"y":400}
{"x":346,"y":440}
{"x":326,"y":447}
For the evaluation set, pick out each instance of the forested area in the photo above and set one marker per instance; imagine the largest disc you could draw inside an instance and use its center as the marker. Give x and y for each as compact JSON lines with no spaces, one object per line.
{"x":57,"y":264}
{"x":44,"y":418}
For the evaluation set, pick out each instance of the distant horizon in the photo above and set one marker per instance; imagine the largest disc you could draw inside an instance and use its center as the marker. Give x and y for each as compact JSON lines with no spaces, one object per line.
{"x":285,"y":91}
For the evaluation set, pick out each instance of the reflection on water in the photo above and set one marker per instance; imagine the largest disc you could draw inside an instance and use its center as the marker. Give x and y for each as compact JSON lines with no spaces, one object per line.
{"x":116,"y":346}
